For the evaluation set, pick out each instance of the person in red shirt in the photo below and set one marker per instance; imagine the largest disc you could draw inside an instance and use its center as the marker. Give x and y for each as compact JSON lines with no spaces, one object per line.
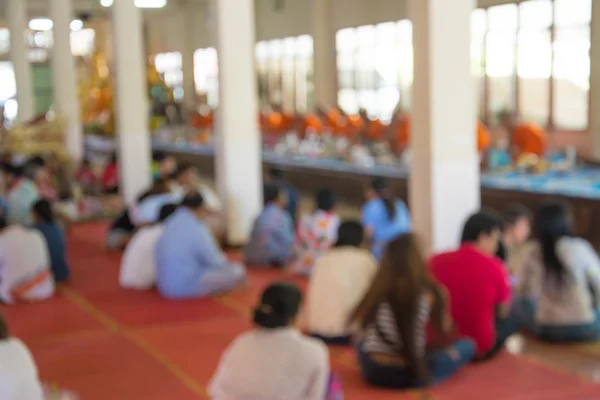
{"x":86,"y":177}
{"x":478,"y":284}
{"x":110,"y":177}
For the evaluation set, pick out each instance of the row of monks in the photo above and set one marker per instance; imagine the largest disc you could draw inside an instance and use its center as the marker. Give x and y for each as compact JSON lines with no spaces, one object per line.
{"x":524,"y":137}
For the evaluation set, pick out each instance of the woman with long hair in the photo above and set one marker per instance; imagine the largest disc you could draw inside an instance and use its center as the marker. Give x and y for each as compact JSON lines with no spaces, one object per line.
{"x":393,"y":316}
{"x":559,"y":280}
{"x":384,"y":216}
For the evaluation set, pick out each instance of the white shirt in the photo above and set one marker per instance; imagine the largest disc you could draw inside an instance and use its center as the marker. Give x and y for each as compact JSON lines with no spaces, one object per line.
{"x":23,"y":257}
{"x":279,"y":364}
{"x":138,"y":266}
{"x":570,"y":303}
{"x":339,"y":281}
{"x":18,"y":373}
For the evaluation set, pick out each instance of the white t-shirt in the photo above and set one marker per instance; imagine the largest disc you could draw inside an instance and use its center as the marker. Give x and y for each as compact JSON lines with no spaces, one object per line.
{"x":24,"y":258}
{"x":138,"y":266}
{"x":340,"y":279}
{"x":18,"y":373}
{"x":278,"y":364}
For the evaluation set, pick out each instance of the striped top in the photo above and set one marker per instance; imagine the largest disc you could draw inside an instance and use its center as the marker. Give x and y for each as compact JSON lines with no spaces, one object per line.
{"x":382,"y":335}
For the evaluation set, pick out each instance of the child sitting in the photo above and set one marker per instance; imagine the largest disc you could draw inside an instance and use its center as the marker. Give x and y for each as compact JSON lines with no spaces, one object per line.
{"x":339,"y":281}
{"x":55,"y":239}
{"x":272,"y":235}
{"x":316,"y":233}
{"x":138,"y":267}
{"x":25,"y":274}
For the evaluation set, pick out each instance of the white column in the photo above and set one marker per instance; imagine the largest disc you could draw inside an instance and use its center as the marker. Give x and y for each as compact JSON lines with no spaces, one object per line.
{"x":17,"y":24}
{"x":238,"y":150}
{"x":444,"y":180}
{"x":66,"y":101}
{"x":325,"y":53}
{"x":187,"y":59}
{"x":131,"y":100}
{"x":595,"y":80}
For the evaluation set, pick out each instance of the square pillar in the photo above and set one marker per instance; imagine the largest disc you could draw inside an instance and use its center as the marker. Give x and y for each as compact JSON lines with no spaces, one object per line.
{"x":324,"y":54}
{"x":19,"y":57}
{"x":444,"y":187}
{"x":595,"y":80}
{"x":132,"y":108}
{"x":238,"y":143}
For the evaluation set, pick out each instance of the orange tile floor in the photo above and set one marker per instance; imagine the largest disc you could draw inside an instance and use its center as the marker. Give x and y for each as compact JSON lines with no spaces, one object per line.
{"x":107,"y":343}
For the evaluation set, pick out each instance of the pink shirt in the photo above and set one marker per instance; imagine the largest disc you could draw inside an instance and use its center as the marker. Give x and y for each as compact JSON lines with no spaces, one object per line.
{"x":477,"y":283}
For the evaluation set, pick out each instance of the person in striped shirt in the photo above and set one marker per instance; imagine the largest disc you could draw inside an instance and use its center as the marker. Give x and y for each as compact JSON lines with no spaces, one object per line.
{"x":393,"y":317}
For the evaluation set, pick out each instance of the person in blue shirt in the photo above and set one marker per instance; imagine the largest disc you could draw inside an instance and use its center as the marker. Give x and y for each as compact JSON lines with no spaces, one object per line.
{"x":45,"y":222}
{"x":276,"y":176}
{"x":272,"y":238}
{"x":384,"y":216}
{"x":189,"y":262}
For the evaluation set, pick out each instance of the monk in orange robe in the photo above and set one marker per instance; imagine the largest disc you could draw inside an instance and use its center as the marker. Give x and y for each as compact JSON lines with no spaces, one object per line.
{"x":330,"y":119}
{"x":525,"y":137}
{"x":484,"y":137}
{"x":372,"y":129}
{"x":313,"y":123}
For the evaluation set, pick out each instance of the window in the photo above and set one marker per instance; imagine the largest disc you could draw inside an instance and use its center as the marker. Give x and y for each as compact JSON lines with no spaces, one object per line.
{"x":82,"y":42}
{"x":375,"y":67}
{"x":284,"y":72}
{"x":536,"y":61}
{"x":206,"y":75}
{"x":169,"y":66}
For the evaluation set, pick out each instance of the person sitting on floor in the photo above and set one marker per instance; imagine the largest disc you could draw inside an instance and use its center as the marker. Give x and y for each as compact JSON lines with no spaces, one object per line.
{"x":478,"y":284}
{"x":384,"y":216}
{"x":517,"y":228}
{"x":272,"y":237}
{"x":110,"y":176}
{"x":24,"y":194}
{"x":55,"y":239}
{"x":339,"y":281}
{"x":189,"y":263}
{"x":19,"y":378}
{"x":277,"y":177}
{"x":163,"y":165}
{"x":394,"y":315}
{"x":148,"y":209}
{"x":559,"y":281}
{"x":25,"y":274}
{"x":138,"y":266}
{"x":87,"y":178}
{"x":315,"y":233}
{"x":274,"y":361}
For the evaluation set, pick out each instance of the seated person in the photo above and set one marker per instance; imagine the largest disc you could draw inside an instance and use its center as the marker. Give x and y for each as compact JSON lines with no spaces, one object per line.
{"x":277,"y":177}
{"x":189,"y":263}
{"x":525,"y":137}
{"x":121,"y":230}
{"x":138,"y":266}
{"x":559,"y":281}
{"x":110,"y":176}
{"x":393,"y":316}
{"x":86,"y":178}
{"x":18,"y":373}
{"x":148,"y":208}
{"x":339,"y":281}
{"x":478,"y":284}
{"x":384,"y":216}
{"x":315,"y":234}
{"x":272,"y":237}
{"x":517,"y":228}
{"x":163,"y":165}
{"x":273,"y":361}
{"x":25,"y":274}
{"x":46,"y":224}
{"x":24,"y":194}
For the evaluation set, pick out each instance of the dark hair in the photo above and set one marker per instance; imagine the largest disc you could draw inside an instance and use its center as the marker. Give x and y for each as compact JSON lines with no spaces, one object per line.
{"x":350,"y":233}
{"x":380,"y":186}
{"x":4,"y":332}
{"x":401,"y":281}
{"x":326,"y":199}
{"x":85,"y":162}
{"x":43,"y":211}
{"x":37,"y":160}
{"x":276,"y":174}
{"x":159,"y":156}
{"x":166,"y":211}
{"x":553,"y":222}
{"x":184,"y":167}
{"x":31,"y":168}
{"x":271,"y":193}
{"x":160,"y":186}
{"x":7,"y":168}
{"x":483,"y":222}
{"x":193,"y":200}
{"x":514,"y":212}
{"x":279,"y":305}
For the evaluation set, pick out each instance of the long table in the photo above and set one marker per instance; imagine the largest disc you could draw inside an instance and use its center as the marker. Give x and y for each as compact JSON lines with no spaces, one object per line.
{"x":580,"y":188}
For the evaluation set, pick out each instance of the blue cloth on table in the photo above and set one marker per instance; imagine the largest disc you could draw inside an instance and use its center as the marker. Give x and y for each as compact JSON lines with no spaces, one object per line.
{"x":272,"y":238}
{"x":384,"y":229}
{"x":55,"y":239}
{"x":189,"y":262}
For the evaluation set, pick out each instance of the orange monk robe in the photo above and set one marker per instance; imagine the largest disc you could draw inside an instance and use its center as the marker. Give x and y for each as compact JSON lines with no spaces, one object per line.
{"x":313,"y":123}
{"x":333,"y":120}
{"x":529,"y":138}
{"x":484,"y":138}
{"x":273,"y":123}
{"x":287,"y":123}
{"x":376,"y":130}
